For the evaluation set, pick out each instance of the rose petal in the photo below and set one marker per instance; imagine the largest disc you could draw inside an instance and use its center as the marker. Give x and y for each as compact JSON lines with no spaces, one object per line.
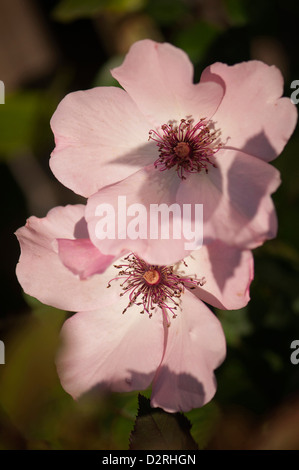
{"x":237,"y":207}
{"x":82,"y":257}
{"x":159,"y":78}
{"x":252,"y":114}
{"x":195,"y":346}
{"x":143,"y":189}
{"x":41,"y":272}
{"x":227,"y":271}
{"x":101,"y":137}
{"x":108,"y":350}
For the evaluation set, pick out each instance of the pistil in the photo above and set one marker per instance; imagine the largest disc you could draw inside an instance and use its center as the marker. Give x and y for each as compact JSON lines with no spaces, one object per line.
{"x":152,"y":286}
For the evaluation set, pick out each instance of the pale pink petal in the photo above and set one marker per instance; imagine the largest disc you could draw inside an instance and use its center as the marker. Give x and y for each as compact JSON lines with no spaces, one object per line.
{"x":41,"y":272}
{"x":141,"y":192}
{"x":227,"y":273}
{"x":101,"y":137}
{"x":195,"y":346}
{"x":82,"y":257}
{"x":236,"y":198}
{"x":159,"y":78}
{"x":252,"y":115}
{"x":107,"y":350}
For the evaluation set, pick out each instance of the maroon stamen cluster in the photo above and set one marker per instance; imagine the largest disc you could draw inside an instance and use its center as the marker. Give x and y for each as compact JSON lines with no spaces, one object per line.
{"x":187,"y":147}
{"x":152,"y":286}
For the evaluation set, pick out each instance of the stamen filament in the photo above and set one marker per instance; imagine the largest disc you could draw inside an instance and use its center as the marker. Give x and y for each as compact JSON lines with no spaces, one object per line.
{"x":186,"y":147}
{"x":156,"y":286}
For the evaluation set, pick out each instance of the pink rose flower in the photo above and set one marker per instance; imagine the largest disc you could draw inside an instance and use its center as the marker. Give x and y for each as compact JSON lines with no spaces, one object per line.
{"x":176,"y":343}
{"x":163,"y":139}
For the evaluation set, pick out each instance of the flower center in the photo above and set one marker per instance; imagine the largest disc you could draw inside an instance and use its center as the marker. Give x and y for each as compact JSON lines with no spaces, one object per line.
{"x":151,"y":286}
{"x":187,"y":147}
{"x":182,"y":150}
{"x":151,"y":276}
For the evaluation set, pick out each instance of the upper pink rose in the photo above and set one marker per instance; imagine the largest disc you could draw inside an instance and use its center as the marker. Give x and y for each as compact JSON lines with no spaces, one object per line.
{"x":109,"y":344}
{"x":163,"y":139}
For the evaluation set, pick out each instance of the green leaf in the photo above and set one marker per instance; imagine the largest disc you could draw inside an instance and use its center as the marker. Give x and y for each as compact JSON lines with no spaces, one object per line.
{"x":157,"y":430}
{"x":69,"y":10}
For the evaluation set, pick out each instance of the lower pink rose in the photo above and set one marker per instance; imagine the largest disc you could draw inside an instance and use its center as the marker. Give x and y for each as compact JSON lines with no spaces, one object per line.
{"x":138,"y":323}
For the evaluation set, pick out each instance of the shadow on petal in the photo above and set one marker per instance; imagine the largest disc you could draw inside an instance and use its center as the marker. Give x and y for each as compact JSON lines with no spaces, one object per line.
{"x":188,"y":392}
{"x":135,"y":381}
{"x":257,"y":142}
{"x":81,"y":230}
{"x":138,"y":157}
{"x":233,"y":262}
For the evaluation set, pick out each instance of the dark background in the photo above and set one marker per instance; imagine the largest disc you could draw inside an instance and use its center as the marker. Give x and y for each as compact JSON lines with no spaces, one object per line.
{"x":49,"y":48}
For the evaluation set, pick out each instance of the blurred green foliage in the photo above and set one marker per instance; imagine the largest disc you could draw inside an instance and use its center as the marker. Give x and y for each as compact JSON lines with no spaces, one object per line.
{"x":196,"y":39}
{"x":69,"y":10}
{"x":18,"y":122}
{"x":24,"y":122}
